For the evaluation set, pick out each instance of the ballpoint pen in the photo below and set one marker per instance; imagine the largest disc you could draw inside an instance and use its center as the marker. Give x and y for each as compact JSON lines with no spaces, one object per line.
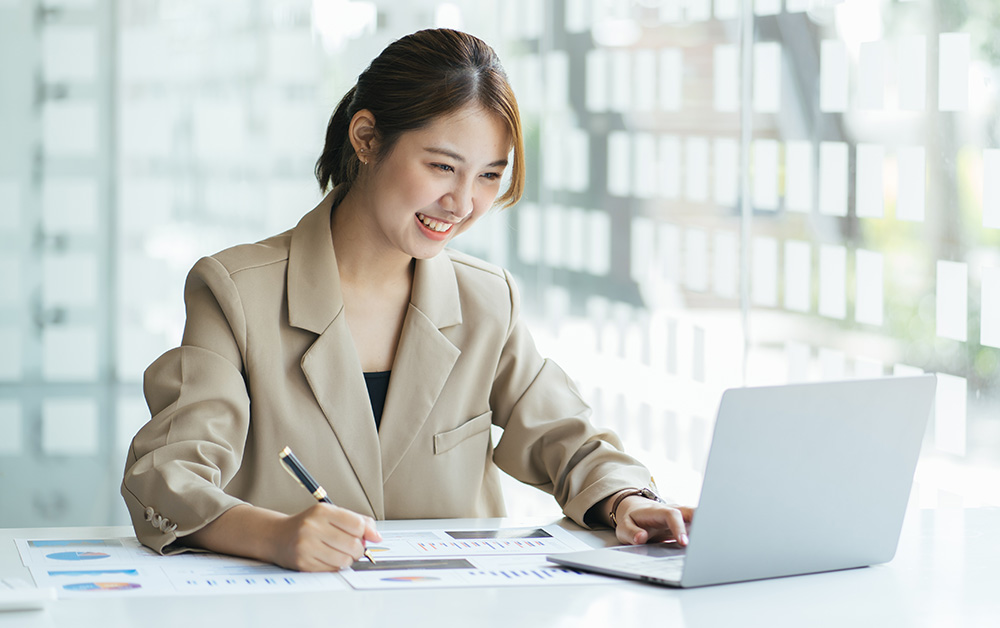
{"x":297,"y":471}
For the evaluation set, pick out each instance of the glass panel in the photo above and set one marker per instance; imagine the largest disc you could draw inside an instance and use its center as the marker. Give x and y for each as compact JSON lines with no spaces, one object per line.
{"x":822,"y":201}
{"x":905,"y":262}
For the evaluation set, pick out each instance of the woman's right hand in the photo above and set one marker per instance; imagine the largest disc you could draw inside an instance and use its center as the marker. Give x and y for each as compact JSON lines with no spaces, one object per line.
{"x":322,"y":538}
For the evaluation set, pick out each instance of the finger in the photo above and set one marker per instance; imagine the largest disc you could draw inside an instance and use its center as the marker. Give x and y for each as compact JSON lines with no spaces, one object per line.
{"x":371,"y":532}
{"x":331,"y":559}
{"x":629,"y":531}
{"x":341,"y":542}
{"x":631,"y":534}
{"x":659,"y":523}
{"x":341,"y":530}
{"x":678,"y":529}
{"x":345,"y":531}
{"x":323,"y":552}
{"x":348,"y":521}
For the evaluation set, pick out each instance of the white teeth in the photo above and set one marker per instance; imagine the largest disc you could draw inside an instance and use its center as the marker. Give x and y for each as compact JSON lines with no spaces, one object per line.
{"x":434,"y":225}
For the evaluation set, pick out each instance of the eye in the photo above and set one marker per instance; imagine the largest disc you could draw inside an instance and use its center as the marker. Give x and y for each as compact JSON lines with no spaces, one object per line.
{"x":492,"y":176}
{"x":443,"y":167}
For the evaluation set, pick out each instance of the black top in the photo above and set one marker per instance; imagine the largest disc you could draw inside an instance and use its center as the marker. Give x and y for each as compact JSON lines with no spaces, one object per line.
{"x":378,"y":386}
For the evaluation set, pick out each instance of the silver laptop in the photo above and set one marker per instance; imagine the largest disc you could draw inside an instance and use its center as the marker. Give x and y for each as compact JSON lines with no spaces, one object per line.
{"x":800,"y":479}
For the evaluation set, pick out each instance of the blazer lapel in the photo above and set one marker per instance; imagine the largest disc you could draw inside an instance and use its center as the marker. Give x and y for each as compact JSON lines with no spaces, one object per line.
{"x":424,"y":358}
{"x":331,"y":365}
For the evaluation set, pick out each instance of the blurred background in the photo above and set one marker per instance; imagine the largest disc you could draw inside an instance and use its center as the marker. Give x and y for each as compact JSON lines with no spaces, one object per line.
{"x":720,"y":193}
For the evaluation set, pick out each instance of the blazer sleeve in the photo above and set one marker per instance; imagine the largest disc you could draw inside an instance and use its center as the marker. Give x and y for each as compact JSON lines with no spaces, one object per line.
{"x":181,"y":460}
{"x":548,"y":440}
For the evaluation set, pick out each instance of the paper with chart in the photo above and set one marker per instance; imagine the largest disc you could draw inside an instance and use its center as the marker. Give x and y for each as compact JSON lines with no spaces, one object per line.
{"x":549,"y":539}
{"x":123,"y":567}
{"x":468,"y":558}
{"x":480,"y":571}
{"x":444,"y":557}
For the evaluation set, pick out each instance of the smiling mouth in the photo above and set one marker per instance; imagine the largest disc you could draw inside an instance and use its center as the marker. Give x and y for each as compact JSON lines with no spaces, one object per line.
{"x":435,"y":225}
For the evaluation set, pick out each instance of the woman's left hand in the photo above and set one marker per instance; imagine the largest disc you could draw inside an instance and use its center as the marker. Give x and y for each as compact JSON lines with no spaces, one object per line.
{"x":642,"y":520}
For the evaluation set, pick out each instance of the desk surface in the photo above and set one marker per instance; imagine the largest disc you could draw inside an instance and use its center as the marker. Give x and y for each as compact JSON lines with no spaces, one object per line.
{"x":946,"y":573}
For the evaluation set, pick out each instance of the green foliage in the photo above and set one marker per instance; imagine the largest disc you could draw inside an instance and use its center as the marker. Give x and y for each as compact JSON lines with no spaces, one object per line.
{"x":979,"y":18}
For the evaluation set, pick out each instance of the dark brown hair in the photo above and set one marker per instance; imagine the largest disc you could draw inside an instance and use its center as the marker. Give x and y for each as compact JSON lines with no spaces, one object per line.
{"x":413,"y":81}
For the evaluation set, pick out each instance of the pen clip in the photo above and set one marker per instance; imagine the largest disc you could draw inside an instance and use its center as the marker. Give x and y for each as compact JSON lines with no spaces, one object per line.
{"x":284,"y":453}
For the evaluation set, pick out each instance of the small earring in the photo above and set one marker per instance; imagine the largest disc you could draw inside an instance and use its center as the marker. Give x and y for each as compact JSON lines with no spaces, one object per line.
{"x":363,"y":160}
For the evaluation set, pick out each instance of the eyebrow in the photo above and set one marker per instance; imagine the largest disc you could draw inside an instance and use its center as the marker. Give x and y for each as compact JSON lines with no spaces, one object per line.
{"x":459,"y":158}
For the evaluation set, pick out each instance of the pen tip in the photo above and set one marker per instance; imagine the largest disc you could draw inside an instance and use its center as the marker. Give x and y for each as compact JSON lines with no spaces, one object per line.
{"x":284,"y":452}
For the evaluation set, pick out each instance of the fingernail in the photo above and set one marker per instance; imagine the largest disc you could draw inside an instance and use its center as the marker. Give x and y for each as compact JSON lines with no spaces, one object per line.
{"x":684,"y":539}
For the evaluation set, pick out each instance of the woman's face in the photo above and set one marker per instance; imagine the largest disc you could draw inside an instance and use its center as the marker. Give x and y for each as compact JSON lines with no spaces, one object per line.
{"x":438,"y":180}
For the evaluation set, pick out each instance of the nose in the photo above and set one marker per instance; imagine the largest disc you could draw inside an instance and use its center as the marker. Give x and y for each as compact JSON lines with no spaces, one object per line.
{"x":461,"y":200}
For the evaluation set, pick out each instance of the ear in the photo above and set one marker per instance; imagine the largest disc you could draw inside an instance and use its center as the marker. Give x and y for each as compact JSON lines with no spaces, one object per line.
{"x":363,"y":135}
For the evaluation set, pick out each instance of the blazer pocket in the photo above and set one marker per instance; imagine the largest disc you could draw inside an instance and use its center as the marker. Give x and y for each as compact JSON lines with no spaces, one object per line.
{"x":448,"y":440}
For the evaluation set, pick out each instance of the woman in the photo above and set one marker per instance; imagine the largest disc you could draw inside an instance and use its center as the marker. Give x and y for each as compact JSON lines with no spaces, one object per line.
{"x":295,"y":340}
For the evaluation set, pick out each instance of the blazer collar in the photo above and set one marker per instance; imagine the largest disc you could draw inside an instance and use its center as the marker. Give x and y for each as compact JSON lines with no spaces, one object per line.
{"x":314,"y":295}
{"x":424,"y":360}
{"x":435,"y":291}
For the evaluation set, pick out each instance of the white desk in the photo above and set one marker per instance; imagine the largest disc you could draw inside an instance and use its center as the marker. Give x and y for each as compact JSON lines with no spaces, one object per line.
{"x":946,"y":573}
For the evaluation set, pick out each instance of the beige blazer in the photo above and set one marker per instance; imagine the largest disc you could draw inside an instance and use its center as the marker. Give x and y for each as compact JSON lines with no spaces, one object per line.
{"x":267,"y":360}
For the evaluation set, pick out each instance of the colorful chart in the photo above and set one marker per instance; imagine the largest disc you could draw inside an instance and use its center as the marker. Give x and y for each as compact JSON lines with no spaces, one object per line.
{"x":524,"y":574}
{"x":409,"y":579}
{"x":101,"y":586}
{"x":96,"y":572}
{"x":72,"y":543}
{"x":488,"y":546}
{"x":78,"y":555}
